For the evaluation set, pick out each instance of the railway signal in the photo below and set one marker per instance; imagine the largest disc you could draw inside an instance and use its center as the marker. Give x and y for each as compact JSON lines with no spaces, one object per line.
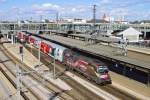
{"x":21,"y":49}
{"x":21,"y":52}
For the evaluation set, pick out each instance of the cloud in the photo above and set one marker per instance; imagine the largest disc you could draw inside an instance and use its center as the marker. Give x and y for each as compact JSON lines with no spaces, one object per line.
{"x":105,"y":1}
{"x":45,"y":8}
{"x":109,"y":7}
{"x":119,"y":11}
{"x":3,"y":0}
{"x":50,"y":9}
{"x":78,"y":9}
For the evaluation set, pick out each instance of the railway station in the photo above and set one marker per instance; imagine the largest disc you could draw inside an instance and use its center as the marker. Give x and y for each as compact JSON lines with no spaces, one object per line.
{"x":79,"y":50}
{"x":111,"y":55}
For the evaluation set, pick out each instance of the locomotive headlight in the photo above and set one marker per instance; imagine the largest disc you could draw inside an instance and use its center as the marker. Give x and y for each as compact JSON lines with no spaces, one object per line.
{"x":21,"y":40}
{"x":105,"y":76}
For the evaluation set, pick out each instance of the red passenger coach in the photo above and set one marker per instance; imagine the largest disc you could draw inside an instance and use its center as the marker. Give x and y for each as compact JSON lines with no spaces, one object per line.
{"x":32,"y":40}
{"x":19,"y":35}
{"x":45,"y":47}
{"x":25,"y":38}
{"x":42,"y":46}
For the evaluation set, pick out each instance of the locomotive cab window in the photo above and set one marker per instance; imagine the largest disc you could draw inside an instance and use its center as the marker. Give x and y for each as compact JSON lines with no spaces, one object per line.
{"x":102,"y":69}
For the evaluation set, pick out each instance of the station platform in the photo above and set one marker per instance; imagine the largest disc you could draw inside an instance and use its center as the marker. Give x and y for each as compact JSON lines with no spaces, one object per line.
{"x":136,"y":59}
{"x":34,"y":63}
{"x":130,"y":86}
{"x":139,"y":49}
{"x":98,"y":38}
{"x":107,"y":40}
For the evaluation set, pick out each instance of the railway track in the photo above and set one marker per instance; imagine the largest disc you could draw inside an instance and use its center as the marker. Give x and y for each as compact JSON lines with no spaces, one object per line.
{"x":109,"y":88}
{"x":7,"y":90}
{"x":69,"y":95}
{"x":11,"y":78}
{"x":35,"y":76}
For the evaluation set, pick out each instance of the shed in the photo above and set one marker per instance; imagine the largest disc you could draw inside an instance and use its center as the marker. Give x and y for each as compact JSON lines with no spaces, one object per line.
{"x":131,"y":34}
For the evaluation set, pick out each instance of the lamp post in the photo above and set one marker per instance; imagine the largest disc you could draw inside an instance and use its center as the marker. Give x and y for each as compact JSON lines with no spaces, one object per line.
{"x":57,"y":17}
{"x":54,"y":67}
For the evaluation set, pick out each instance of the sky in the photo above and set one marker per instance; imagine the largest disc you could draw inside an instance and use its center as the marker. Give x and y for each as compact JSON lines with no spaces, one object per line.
{"x":130,"y":10}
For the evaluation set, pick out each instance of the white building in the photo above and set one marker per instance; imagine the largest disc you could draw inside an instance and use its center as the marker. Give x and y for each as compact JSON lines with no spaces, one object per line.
{"x":78,"y":21}
{"x":71,"y":20}
{"x":131,"y":34}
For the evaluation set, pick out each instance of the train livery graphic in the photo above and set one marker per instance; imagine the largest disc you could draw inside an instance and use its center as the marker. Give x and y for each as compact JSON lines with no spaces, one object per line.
{"x":92,"y":69}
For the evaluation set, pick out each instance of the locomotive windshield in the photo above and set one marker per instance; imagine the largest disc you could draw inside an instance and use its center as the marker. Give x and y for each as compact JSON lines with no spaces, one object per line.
{"x":102,"y":69}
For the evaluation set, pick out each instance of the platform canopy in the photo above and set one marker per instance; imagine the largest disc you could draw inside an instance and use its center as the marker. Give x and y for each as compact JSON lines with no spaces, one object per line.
{"x":131,"y":34}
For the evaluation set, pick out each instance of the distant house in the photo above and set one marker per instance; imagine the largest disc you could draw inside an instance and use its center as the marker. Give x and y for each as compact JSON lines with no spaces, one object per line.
{"x":131,"y":34}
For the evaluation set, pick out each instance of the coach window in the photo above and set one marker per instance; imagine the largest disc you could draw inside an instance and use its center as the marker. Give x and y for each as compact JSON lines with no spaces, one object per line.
{"x":58,"y":52}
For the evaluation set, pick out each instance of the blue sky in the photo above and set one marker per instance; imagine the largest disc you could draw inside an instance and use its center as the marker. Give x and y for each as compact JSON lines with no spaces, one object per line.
{"x":25,"y":9}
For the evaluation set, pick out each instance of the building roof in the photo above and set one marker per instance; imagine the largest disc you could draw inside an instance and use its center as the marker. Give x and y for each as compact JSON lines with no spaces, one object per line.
{"x":97,"y":21}
{"x":130,"y":31}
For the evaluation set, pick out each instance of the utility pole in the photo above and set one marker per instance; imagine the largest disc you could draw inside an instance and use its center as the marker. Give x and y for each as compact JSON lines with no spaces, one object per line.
{"x":41,"y":17}
{"x":57,"y":19}
{"x":94,"y":22}
{"x":94,"y":17}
